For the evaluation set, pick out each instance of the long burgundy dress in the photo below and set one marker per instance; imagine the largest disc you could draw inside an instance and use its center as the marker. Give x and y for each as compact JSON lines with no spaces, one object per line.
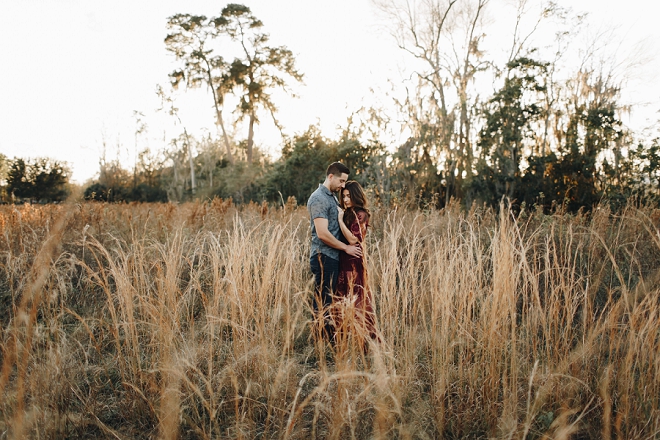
{"x":353,"y":296}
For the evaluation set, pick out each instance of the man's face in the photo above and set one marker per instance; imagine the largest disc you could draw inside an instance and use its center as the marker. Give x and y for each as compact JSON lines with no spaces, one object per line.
{"x":337,"y":181}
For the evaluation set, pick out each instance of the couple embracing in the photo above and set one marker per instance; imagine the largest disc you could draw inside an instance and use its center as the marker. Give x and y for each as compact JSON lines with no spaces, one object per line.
{"x":342,"y":301}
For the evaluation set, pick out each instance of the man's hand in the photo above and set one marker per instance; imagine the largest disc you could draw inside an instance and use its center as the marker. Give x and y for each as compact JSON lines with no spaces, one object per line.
{"x":354,"y":250}
{"x":321,"y":225}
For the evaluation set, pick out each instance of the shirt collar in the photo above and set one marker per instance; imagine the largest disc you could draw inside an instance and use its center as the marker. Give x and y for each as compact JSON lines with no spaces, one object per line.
{"x":326,"y":191}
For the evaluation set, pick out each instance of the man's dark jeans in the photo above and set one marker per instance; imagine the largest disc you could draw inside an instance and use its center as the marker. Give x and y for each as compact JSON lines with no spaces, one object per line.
{"x":326,"y":272}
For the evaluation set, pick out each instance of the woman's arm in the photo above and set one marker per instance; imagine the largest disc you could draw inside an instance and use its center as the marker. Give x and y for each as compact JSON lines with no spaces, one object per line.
{"x":363,"y":223}
{"x":352,"y":239}
{"x":321,"y":225}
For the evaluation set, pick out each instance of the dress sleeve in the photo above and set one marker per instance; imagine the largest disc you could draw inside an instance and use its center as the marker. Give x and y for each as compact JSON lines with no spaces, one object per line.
{"x":359,"y":226}
{"x":364,"y":218}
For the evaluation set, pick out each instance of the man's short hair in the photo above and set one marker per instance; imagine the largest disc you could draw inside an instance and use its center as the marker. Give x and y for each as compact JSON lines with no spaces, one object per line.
{"x":337,"y":168}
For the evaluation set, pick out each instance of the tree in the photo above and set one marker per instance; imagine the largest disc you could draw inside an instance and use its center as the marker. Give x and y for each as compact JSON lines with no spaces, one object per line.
{"x":643,"y":173}
{"x":253,"y":76}
{"x":304,"y":160}
{"x":140,"y":128}
{"x":189,"y":41}
{"x":174,"y":111}
{"x":40,"y":179}
{"x":444,"y":36}
{"x":260,"y":70}
{"x":593,"y":128}
{"x":509,"y":116}
{"x":175,"y":175}
{"x":18,"y":184}
{"x":4,"y":167}
{"x":306,"y":156}
{"x":208,"y":154}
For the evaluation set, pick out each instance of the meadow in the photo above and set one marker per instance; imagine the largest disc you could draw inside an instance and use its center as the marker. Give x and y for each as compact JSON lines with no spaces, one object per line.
{"x":194,"y":321}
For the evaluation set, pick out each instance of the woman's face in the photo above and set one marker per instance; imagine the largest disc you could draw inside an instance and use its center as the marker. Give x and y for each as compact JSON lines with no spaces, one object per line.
{"x":346,"y":198}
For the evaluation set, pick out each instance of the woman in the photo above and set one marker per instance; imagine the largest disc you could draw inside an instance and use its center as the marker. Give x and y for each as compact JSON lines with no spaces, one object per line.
{"x":352,"y":285}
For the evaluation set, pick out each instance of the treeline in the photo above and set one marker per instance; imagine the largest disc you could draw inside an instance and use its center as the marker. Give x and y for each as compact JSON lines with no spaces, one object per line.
{"x":572,"y":179}
{"x":549,"y":133}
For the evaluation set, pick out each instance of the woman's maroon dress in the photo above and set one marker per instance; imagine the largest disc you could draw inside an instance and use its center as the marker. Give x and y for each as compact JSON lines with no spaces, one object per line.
{"x":353,"y":295}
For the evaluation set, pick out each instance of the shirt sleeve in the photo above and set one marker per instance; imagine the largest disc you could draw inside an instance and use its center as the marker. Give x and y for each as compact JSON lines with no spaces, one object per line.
{"x":317,"y":209}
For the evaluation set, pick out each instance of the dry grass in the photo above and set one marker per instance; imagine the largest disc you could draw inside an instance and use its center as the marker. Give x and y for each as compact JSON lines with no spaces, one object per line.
{"x":193,"y":321}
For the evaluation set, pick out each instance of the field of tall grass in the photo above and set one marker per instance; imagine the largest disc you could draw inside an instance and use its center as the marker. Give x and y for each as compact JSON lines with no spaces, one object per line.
{"x":194,"y":321}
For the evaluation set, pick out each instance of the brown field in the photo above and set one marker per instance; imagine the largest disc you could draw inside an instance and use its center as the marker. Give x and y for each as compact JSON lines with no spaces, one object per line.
{"x":193,"y":321}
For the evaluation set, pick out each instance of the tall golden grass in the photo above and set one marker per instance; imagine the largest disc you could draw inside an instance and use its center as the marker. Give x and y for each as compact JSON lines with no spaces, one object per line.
{"x":194,"y":321}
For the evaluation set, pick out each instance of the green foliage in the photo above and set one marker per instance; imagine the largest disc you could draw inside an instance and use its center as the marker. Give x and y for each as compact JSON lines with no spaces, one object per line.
{"x":143,"y":192}
{"x":301,"y":168}
{"x":240,"y":182}
{"x":188,"y":40}
{"x":575,"y":175}
{"x":42,"y":179}
{"x":116,"y":184}
{"x":509,"y":116}
{"x":635,"y":176}
{"x":97,"y":192}
{"x":646,"y":163}
{"x":18,"y":183}
{"x":306,"y":157}
{"x":414,"y":176}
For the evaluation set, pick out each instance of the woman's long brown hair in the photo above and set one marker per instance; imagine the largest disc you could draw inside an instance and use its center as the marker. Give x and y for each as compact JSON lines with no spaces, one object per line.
{"x":358,"y":199}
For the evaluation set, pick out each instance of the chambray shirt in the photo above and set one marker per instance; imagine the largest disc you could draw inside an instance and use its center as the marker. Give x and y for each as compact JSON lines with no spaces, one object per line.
{"x":323,"y":204}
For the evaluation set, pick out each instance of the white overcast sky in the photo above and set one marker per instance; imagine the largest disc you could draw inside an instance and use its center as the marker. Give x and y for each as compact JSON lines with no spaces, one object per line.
{"x":73,"y":71}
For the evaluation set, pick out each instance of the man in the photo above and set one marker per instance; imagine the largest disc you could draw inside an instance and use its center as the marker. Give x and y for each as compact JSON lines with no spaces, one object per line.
{"x":327,"y":241}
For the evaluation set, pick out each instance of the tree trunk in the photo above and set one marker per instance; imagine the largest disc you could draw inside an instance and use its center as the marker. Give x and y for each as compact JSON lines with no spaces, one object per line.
{"x":218,"y":111}
{"x":193,"y":184}
{"x":250,"y":140}
{"x":230,"y":158}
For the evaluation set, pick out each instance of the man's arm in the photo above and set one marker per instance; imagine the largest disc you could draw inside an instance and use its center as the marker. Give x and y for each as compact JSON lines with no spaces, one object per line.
{"x":321,"y":226}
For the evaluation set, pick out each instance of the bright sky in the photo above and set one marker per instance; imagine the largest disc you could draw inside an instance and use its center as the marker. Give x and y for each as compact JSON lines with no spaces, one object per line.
{"x":74,"y":71}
